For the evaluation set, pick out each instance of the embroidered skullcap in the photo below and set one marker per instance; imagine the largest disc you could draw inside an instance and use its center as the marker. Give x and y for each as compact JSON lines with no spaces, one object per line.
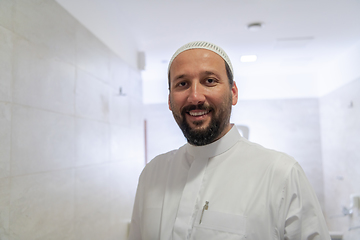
{"x":204,"y":45}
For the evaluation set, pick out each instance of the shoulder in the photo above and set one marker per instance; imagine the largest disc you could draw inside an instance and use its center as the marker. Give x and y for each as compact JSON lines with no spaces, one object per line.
{"x":264,"y":156}
{"x":161,"y":159}
{"x":159,"y":165}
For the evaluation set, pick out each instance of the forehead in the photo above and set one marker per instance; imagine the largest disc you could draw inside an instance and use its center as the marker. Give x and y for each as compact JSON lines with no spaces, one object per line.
{"x":197,"y":59}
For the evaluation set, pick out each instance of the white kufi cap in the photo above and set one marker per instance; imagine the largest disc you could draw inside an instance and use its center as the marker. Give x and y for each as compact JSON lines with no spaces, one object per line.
{"x":203,"y":45}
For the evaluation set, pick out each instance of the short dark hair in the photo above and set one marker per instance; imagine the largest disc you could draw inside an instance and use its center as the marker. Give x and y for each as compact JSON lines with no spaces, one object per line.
{"x":228,"y":73}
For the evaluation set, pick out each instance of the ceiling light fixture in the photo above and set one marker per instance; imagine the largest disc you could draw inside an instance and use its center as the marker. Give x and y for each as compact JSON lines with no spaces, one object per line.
{"x":248,"y":58}
{"x":254,"y":27}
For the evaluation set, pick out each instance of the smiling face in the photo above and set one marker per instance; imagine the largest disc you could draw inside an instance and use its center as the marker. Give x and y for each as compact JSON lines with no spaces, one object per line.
{"x":200,"y":96}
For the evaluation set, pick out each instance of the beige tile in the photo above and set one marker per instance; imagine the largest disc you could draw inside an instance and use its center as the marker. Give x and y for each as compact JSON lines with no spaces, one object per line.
{"x":6,"y":13}
{"x":135,"y":84}
{"x":92,"y":211}
{"x":41,"y":141}
{"x":4,"y":208}
{"x":48,"y":24}
{"x":136,"y":112}
{"x":136,"y":101}
{"x":40,"y":80}
{"x":124,"y":178}
{"x":42,"y":206}
{"x":6,"y":48}
{"x":92,"y":142}
{"x":119,"y":230}
{"x":127,"y":144}
{"x":92,"y":55}
{"x":120,"y":109}
{"x":119,"y":102}
{"x":119,"y":73}
{"x":5,"y":139}
{"x":92,"y":97}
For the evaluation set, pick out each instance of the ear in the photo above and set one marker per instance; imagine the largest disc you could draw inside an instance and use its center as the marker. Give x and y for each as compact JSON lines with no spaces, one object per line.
{"x":234,"y":92}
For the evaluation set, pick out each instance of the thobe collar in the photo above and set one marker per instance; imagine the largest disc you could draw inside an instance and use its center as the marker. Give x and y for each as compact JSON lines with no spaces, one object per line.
{"x":216,"y":148}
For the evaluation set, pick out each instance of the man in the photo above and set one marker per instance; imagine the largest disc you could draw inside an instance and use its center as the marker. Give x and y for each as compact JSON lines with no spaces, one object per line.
{"x":219,"y":185}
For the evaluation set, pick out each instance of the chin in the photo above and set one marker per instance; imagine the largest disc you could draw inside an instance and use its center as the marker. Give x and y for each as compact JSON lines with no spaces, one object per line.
{"x":199,"y":125}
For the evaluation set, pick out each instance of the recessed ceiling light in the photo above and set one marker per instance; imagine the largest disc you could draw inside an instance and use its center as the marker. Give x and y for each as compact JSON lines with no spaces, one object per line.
{"x":254,"y":27}
{"x":248,"y":58}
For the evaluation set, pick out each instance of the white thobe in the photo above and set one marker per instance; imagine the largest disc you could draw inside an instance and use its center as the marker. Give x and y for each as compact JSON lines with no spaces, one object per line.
{"x":252,"y":193}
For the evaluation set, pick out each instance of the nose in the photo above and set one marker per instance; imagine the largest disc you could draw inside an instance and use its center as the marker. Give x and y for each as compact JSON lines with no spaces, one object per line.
{"x":196,"y":94}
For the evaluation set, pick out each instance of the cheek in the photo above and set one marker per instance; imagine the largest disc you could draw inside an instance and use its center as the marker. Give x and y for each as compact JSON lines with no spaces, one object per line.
{"x":176,"y":101}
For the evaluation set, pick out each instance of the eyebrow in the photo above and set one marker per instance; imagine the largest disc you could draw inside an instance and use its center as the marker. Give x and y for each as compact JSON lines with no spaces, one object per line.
{"x":210,"y":73}
{"x":207,"y":73}
{"x":179,"y":77}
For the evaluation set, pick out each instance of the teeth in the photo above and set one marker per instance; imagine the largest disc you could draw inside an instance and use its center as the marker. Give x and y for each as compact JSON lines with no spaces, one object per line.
{"x":198,"y":113}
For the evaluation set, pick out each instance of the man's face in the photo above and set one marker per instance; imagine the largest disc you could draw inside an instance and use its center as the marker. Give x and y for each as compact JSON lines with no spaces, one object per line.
{"x":200,"y":96}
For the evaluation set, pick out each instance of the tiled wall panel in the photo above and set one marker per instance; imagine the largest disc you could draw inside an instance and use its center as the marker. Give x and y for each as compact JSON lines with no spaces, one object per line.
{"x":92,"y":56}
{"x":4,"y":208}
{"x":42,"y":206}
{"x":6,"y":13}
{"x":41,"y":80}
{"x":92,"y":210}
{"x":340,"y":127}
{"x":92,"y":97}
{"x":5,"y":139}
{"x":45,"y":23}
{"x":130,"y":148}
{"x":92,"y":142}
{"x":71,"y":148}
{"x":41,"y":141}
{"x":122,"y":189}
{"x":6,"y":48}
{"x":120,"y":109}
{"x":119,"y":73}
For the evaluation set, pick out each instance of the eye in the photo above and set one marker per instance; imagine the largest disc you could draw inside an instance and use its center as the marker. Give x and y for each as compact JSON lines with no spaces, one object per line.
{"x":210,"y":81}
{"x":181,"y":84}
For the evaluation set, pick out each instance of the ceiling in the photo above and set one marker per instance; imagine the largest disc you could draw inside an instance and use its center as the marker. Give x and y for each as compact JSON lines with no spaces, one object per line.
{"x":298,"y":37}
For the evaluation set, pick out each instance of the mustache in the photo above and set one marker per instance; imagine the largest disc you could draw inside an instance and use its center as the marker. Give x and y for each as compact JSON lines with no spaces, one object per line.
{"x":196,"y":107}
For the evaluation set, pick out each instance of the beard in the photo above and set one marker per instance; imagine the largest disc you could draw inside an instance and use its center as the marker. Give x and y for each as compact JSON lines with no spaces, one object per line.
{"x":203,"y":136}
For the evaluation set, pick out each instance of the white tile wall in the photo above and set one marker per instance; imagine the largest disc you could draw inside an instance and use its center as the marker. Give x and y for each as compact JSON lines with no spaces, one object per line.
{"x":4,"y":208}
{"x":5,"y":139}
{"x":120,"y":103}
{"x":92,"y":210}
{"x":340,"y":126}
{"x":71,"y":149}
{"x":119,"y":73}
{"x":120,"y":109}
{"x":6,"y":13}
{"x":41,"y":141}
{"x":163,"y":134}
{"x":40,"y":80}
{"x":92,"y":55}
{"x":42,"y":206}
{"x":6,"y":48}
{"x":92,"y":142}
{"x":46,"y":24}
{"x":127,"y":143}
{"x":122,"y":181}
{"x":92,"y":97}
